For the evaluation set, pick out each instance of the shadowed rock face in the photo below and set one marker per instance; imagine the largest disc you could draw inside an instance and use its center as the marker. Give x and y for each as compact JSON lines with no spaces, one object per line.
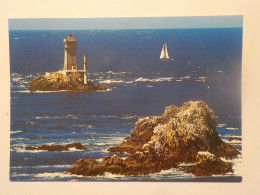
{"x":208,"y":164}
{"x":57,"y":82}
{"x":164,"y":141}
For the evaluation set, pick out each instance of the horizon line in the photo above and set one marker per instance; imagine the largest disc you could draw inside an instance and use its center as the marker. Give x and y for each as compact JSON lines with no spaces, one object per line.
{"x":127,"y":23}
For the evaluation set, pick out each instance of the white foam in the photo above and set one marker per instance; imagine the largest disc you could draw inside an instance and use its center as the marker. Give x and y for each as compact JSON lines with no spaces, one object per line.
{"x":232,"y":128}
{"x":100,"y":144}
{"x":73,"y":149}
{"x":205,"y":153}
{"x":110,"y":175}
{"x":186,"y":164}
{"x":203,"y":79}
{"x":15,"y":74}
{"x":31,"y":151}
{"x":54,"y":175}
{"x":14,"y":132}
{"x":186,"y":77}
{"x":237,"y":165}
{"x":111,"y":81}
{"x":22,"y":91}
{"x":141,"y":79}
{"x":111,"y":72}
{"x":221,"y":125}
{"x":19,"y":138}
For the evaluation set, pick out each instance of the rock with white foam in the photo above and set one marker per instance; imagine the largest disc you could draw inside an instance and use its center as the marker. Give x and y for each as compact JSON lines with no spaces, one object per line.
{"x":184,"y":134}
{"x":208,"y":164}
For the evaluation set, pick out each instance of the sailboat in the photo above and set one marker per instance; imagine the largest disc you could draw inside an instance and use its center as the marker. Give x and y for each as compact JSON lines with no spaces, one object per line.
{"x":164,"y":53}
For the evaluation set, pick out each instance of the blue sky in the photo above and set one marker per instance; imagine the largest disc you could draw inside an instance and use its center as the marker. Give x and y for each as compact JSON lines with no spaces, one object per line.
{"x":126,"y":23}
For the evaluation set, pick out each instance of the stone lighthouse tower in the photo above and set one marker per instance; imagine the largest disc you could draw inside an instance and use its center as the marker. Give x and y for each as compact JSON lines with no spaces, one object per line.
{"x":70,"y":53}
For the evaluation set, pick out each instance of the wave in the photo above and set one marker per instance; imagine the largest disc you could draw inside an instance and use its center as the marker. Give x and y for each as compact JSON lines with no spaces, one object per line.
{"x":30,"y":151}
{"x":111,"y":81}
{"x":237,"y":165}
{"x":232,"y":128}
{"x":15,"y":132}
{"x":221,"y":125}
{"x":73,"y":149}
{"x":141,"y":79}
{"x":22,"y":91}
{"x":57,"y":117}
{"x":19,"y":138}
{"x":115,"y":73}
{"x":53,"y":175}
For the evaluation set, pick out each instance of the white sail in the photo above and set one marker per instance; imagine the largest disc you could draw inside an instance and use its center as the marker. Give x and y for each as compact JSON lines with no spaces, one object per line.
{"x":162,"y":56}
{"x":164,"y":52}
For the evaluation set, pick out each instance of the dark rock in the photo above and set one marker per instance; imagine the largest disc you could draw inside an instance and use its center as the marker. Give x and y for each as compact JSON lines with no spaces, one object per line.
{"x":234,"y":138}
{"x":57,"y":148}
{"x":208,"y":164}
{"x":162,"y":142}
{"x":58,"y":82}
{"x":87,"y":168}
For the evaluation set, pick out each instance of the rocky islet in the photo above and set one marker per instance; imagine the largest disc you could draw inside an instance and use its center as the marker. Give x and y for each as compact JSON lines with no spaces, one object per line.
{"x":184,"y":134}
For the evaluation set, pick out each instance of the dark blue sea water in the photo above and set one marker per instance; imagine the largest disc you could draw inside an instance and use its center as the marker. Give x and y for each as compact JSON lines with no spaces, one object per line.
{"x":206,"y":66}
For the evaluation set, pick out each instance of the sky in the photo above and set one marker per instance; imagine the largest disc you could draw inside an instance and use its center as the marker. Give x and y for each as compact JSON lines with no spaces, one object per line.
{"x":126,"y":23}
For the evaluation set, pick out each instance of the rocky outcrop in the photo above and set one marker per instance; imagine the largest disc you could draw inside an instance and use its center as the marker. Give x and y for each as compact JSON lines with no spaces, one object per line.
{"x":178,"y":134}
{"x":234,"y":138}
{"x":58,"y":82}
{"x":208,"y":164}
{"x":57,"y":148}
{"x":164,"y":141}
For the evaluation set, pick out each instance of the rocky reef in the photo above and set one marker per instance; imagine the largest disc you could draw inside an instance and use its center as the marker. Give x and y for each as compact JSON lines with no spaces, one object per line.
{"x":57,"y":148}
{"x":180,"y":135}
{"x":58,"y":82}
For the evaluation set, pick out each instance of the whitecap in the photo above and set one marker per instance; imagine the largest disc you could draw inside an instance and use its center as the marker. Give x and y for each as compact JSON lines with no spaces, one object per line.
{"x":221,"y":125}
{"x":22,"y":91}
{"x":19,"y":138}
{"x":31,"y":151}
{"x":111,"y":81}
{"x":54,"y":175}
{"x":141,"y":79}
{"x":232,"y":128}
{"x":186,"y":164}
{"x":73,"y":149}
{"x":186,"y":77}
{"x":14,"y":132}
{"x":111,"y":72}
{"x":112,"y":176}
{"x":237,"y":165}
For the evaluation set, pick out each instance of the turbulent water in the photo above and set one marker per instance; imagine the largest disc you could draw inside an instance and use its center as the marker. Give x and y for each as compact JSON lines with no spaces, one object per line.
{"x":206,"y":66}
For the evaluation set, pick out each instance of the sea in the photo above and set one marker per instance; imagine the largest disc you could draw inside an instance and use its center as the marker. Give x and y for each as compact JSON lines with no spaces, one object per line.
{"x":205,"y":64}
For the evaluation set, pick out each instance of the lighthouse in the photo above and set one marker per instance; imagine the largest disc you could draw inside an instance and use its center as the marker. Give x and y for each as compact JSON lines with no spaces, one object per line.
{"x":70,"y":53}
{"x":70,"y":68}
